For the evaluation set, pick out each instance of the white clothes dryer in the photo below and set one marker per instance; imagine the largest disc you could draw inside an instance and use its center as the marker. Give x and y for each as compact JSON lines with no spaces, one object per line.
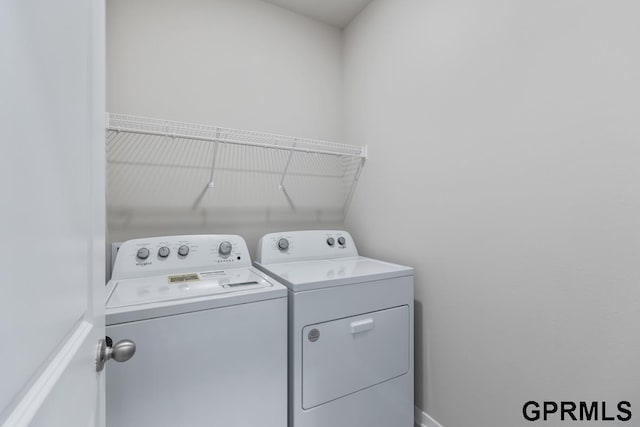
{"x":350,"y":331}
{"x":210,"y":332}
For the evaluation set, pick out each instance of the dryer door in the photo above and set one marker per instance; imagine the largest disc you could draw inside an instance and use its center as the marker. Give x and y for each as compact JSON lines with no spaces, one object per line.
{"x":344,"y":356}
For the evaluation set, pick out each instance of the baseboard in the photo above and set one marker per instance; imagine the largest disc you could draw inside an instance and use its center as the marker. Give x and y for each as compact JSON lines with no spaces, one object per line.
{"x":425,"y":420}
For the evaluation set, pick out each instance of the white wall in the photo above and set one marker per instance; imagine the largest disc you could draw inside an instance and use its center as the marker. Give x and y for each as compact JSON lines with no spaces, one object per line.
{"x":504,"y":141}
{"x":242,"y":64}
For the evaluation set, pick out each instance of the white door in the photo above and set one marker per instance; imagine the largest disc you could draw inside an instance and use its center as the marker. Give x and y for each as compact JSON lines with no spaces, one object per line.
{"x":51,"y":212}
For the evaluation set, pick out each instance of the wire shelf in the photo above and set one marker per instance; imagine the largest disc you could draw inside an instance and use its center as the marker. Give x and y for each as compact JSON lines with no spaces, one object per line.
{"x":155,"y":164}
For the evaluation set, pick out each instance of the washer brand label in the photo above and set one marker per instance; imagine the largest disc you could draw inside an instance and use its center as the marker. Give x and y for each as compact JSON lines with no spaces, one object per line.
{"x":576,"y":411}
{"x":181,"y":278}
{"x":314,"y":335}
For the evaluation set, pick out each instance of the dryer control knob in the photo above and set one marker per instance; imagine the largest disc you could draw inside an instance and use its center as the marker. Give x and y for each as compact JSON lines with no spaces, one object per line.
{"x":225,"y":248}
{"x":283,"y":244}
{"x":342,"y":241}
{"x":331,"y":241}
{"x":143,"y":253}
{"x":164,"y":252}
{"x":183,"y":250}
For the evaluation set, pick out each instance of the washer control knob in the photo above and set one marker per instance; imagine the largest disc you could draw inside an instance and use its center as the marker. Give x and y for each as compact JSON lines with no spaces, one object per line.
{"x":183,"y":250}
{"x":331,"y":241}
{"x":164,"y":252}
{"x":225,"y":248}
{"x":283,"y":244}
{"x":342,"y":241}
{"x":143,"y":253}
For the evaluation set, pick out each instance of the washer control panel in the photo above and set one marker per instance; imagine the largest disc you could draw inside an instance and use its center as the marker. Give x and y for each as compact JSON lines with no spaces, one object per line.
{"x":159,"y":255}
{"x":305,"y":245}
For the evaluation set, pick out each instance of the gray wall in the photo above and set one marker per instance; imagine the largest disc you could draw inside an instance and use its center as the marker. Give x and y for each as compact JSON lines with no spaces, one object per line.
{"x":242,"y":64}
{"x":504,"y":140}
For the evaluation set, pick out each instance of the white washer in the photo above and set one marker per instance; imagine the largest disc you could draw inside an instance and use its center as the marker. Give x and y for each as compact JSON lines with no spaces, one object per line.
{"x":350,"y":331}
{"x":210,"y":331}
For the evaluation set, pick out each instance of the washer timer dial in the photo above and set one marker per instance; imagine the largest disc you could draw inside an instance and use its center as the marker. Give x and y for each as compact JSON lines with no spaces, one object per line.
{"x":225,"y":248}
{"x":143,"y":253}
{"x":283,"y":244}
{"x":183,"y":250}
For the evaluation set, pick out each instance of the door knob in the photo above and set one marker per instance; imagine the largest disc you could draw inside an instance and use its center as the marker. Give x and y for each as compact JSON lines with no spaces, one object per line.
{"x":120,"y":352}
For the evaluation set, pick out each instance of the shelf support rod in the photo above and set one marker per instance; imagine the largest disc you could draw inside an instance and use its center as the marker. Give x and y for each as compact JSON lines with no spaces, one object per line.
{"x":213,"y":158}
{"x":356,"y":178}
{"x":281,"y":186}
{"x":211,"y":183}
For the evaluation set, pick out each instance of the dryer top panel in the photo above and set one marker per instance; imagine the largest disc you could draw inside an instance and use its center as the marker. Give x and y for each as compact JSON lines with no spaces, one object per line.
{"x":317,"y":274}
{"x":305,"y":245}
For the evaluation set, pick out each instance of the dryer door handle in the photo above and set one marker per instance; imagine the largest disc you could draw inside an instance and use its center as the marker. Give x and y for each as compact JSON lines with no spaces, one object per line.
{"x":362,"y":325}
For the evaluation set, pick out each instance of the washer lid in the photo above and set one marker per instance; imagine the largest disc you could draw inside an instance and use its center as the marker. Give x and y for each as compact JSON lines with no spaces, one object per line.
{"x":148,"y":297}
{"x":316,"y":274}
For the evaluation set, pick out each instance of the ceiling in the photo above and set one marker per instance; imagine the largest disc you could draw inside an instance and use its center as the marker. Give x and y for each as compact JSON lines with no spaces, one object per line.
{"x":333,"y":12}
